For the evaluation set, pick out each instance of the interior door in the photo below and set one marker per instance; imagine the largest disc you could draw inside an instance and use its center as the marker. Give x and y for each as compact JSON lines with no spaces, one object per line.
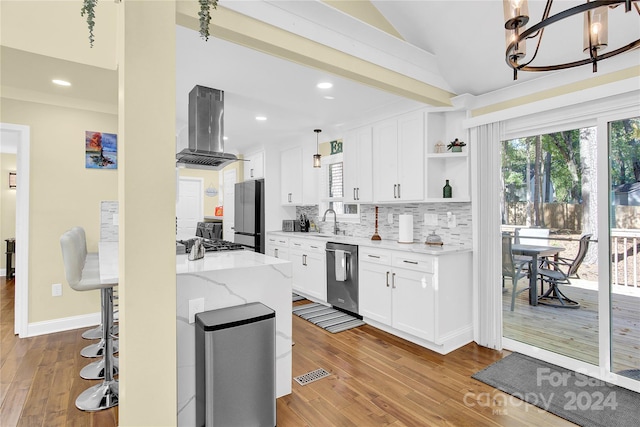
{"x":190,"y":206}
{"x":229,"y":182}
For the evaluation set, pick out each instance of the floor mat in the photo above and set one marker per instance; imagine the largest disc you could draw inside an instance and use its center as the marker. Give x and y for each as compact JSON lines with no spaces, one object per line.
{"x":576,"y":397}
{"x":327,"y":318}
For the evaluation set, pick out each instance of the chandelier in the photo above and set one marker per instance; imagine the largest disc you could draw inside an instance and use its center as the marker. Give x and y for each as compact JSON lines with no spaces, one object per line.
{"x":595,"y":33}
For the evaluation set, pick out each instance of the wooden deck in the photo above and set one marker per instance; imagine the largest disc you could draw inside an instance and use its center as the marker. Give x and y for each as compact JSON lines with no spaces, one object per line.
{"x":574,"y":332}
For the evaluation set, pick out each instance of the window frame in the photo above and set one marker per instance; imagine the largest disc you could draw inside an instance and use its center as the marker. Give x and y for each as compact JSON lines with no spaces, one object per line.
{"x":325,"y":200}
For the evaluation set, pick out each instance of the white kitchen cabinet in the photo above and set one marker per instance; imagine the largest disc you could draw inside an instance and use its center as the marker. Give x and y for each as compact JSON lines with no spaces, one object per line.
{"x":309,"y":272}
{"x":298,"y":177}
{"x":254,"y":166}
{"x":375,"y":286}
{"x":278,"y":247}
{"x":423,"y":298}
{"x":398,"y":159}
{"x":413,"y":301}
{"x":357,"y":149}
{"x":291,"y":176}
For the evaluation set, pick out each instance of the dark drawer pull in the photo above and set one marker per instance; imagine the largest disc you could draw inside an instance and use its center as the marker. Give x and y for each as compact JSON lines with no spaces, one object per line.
{"x":410,"y":262}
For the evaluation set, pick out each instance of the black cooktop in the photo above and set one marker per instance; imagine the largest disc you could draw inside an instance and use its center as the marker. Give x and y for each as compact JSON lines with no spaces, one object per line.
{"x":212,"y":245}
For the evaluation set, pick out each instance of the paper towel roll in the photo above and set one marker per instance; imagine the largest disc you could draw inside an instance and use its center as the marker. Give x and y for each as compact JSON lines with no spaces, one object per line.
{"x":405,"y":234}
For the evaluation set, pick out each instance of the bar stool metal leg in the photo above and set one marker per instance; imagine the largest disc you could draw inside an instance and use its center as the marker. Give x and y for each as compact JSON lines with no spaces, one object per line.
{"x":104,"y":395}
{"x":96,"y":333}
{"x":97,"y":349}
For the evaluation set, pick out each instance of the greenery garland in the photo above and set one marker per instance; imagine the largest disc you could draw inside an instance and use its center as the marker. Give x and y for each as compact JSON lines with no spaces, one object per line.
{"x":88,"y":8}
{"x":205,"y":16}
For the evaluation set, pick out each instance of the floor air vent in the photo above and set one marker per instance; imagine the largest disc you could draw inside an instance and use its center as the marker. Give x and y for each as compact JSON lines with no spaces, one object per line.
{"x":311,"y":376}
{"x":297,"y":297}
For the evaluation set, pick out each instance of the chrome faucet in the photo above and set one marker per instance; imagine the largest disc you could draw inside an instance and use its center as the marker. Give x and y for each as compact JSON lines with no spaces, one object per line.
{"x":335,"y":220}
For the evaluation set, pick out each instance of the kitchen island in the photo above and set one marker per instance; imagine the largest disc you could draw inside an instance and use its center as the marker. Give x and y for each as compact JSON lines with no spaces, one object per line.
{"x":225,"y":279}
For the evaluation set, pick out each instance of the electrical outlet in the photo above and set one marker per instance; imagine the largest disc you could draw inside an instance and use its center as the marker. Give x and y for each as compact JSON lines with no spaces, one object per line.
{"x":451,"y":220}
{"x":195,"y":306}
{"x":390,"y":219}
{"x":430,"y":219}
{"x":56,"y":290}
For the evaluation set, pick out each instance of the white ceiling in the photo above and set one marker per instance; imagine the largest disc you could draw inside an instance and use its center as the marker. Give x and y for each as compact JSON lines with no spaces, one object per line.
{"x":466,"y":39}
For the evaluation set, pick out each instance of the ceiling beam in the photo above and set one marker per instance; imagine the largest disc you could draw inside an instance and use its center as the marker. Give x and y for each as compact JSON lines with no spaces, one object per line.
{"x":255,"y":34}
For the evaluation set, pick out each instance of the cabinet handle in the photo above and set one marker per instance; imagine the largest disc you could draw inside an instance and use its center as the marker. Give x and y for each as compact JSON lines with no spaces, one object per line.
{"x":276,"y":252}
{"x":304,"y":260}
{"x":399,"y":196}
{"x":373,"y":256}
{"x":358,"y":193}
{"x":251,"y":173}
{"x":395,"y":191}
{"x":314,"y":247}
{"x":354,"y":194}
{"x":289,"y":196}
{"x":410,"y":262}
{"x":393,"y":280}
{"x":387,"y":279}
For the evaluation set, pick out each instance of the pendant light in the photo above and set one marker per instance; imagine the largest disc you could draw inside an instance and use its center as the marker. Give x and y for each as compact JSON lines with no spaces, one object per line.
{"x":317,"y":156}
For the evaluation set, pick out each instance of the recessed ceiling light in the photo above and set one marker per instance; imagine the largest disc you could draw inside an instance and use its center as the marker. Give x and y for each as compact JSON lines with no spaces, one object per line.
{"x":61,"y":82}
{"x":329,"y":97}
{"x":261,"y":118}
{"x":325,"y":85}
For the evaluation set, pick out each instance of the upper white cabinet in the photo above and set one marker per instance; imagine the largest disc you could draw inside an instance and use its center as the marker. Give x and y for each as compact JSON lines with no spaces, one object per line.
{"x":298,"y":177}
{"x":254,"y":166}
{"x":358,"y":165}
{"x":398,"y":159}
{"x":291,"y":176}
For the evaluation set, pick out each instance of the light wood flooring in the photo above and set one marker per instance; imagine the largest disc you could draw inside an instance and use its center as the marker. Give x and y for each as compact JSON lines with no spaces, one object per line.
{"x":574,"y":332}
{"x":376,"y":380}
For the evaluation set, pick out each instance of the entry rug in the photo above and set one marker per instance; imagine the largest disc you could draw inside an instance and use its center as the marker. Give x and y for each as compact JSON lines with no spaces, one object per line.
{"x":327,"y":318}
{"x":583,"y":400}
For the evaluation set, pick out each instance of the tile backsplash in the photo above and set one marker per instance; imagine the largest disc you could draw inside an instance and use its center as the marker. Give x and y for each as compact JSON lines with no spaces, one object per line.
{"x":460,"y":235}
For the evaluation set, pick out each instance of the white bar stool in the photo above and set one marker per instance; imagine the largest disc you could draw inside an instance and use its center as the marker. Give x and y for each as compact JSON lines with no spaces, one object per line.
{"x":83,"y":274}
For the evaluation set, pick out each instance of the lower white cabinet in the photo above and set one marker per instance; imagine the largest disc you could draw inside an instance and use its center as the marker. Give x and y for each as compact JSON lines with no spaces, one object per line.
{"x":423,"y":298}
{"x":278,"y":247}
{"x":398,"y":297}
{"x":308,"y":264}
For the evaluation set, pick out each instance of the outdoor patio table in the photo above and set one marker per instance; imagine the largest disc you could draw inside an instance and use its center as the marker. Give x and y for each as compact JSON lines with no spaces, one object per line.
{"x":535,"y":252}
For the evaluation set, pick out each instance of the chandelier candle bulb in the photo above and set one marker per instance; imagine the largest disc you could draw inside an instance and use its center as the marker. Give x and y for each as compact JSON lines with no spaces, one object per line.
{"x":596,"y":29}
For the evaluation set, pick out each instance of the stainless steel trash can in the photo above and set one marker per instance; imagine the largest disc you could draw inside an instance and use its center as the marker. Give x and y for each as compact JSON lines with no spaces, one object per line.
{"x":236,"y":366}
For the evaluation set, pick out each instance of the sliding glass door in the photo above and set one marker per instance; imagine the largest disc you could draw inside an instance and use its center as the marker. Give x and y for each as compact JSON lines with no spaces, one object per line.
{"x":624,"y":237}
{"x":575,"y":192}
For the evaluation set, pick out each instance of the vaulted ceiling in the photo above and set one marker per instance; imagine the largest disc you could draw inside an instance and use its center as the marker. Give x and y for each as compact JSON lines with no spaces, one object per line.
{"x":444,"y":47}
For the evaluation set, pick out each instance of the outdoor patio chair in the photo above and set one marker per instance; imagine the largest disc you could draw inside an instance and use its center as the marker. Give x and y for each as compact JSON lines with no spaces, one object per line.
{"x":559,"y":272}
{"x":572,"y":265}
{"x":515,"y":269}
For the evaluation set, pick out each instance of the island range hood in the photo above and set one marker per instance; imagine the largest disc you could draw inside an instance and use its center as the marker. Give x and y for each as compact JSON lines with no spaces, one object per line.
{"x":206,"y":130}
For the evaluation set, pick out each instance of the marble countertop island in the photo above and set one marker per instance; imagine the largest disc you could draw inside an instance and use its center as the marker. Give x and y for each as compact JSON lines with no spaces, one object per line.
{"x":225,"y":279}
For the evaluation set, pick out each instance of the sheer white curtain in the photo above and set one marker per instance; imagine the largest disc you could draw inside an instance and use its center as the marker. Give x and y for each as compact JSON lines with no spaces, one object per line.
{"x":486,"y":168}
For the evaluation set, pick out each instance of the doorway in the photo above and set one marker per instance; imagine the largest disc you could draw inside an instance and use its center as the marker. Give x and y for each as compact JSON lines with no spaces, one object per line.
{"x":190,"y":206}
{"x":600,"y":335}
{"x":21,"y":134}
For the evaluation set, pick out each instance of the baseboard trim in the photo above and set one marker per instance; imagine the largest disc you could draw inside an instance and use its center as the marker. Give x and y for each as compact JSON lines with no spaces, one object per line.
{"x":62,"y":324}
{"x":3,"y":272}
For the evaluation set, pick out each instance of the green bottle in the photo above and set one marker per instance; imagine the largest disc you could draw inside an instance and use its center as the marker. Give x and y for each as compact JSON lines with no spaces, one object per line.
{"x":446,"y":191}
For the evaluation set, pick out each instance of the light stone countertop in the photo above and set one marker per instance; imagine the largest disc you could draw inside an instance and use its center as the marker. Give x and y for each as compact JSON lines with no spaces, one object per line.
{"x":225,"y":260}
{"x":415,"y":247}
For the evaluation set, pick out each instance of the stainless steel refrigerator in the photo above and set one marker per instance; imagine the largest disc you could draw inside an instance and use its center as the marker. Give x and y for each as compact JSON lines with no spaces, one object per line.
{"x":249,"y":215}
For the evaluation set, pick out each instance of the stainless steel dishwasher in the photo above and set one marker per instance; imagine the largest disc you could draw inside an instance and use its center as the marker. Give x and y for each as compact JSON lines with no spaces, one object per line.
{"x":342,"y":279}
